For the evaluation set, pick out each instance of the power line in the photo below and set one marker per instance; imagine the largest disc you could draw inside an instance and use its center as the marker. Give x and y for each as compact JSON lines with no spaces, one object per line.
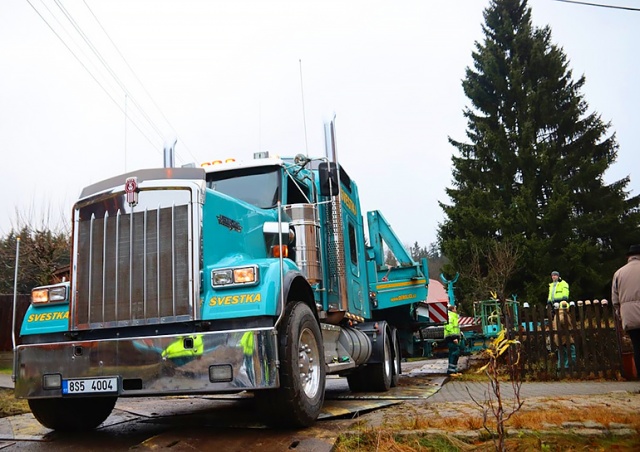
{"x":599,"y":5}
{"x":87,"y":69}
{"x":136,"y":77}
{"x":138,"y":110}
{"x":107,"y":66}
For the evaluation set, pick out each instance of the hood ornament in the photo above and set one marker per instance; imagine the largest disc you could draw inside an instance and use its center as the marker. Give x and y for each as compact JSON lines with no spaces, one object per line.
{"x":131,"y":189}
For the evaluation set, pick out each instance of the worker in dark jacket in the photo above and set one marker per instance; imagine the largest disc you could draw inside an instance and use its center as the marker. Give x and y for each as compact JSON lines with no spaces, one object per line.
{"x":452,"y":338}
{"x":625,"y":296}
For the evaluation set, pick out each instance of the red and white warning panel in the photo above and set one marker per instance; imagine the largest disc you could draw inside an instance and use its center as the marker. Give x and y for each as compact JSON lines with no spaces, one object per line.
{"x":468,"y":321}
{"x":438,"y":311}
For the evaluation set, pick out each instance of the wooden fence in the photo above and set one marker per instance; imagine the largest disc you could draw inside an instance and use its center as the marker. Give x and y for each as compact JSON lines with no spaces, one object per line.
{"x":590,"y":338}
{"x":6,"y":318}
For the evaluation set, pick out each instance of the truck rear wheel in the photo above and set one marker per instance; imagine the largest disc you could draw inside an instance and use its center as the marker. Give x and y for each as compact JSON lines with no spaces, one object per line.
{"x":380,"y":375}
{"x":298,"y":400}
{"x":72,"y":414}
{"x":376,"y":377}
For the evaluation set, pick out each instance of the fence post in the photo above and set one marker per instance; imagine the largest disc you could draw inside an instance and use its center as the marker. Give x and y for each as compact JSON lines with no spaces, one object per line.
{"x":613,"y":351}
{"x":599,"y":345}
{"x":581,"y":353}
{"x":590,"y":352}
{"x":529,"y":353}
{"x":545,"y":315}
{"x":617,"y":323}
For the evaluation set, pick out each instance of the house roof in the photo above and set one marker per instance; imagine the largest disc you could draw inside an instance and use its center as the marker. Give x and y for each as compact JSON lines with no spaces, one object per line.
{"x":436,"y":292}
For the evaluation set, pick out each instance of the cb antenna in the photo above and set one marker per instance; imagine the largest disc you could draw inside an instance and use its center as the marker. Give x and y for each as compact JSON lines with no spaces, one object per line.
{"x":304,"y":118}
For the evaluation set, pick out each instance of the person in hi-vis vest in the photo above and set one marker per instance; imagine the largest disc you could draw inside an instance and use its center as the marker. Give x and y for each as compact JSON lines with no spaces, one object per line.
{"x":452,"y":338}
{"x":558,"y":291}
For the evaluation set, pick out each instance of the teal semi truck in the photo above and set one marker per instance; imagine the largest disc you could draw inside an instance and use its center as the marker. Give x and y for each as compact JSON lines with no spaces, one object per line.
{"x":234,"y":276}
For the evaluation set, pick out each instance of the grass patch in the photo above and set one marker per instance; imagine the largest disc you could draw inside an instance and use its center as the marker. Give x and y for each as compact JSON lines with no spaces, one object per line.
{"x":527,"y":418}
{"x":10,"y":406}
{"x":387,"y":441}
{"x":6,"y":364}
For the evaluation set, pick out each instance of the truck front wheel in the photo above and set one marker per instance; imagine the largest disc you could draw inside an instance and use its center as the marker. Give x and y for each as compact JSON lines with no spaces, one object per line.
{"x":75,"y":414}
{"x":298,"y":400}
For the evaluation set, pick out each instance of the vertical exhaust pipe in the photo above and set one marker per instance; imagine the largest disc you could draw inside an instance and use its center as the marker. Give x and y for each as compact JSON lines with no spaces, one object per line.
{"x":330,"y":140}
{"x":337,"y":284}
{"x":169,"y":154}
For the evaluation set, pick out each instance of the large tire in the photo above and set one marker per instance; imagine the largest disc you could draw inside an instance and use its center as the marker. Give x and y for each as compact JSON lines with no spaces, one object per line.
{"x":298,"y":400}
{"x":397,"y":358}
{"x":379,"y":375}
{"x":72,"y":414}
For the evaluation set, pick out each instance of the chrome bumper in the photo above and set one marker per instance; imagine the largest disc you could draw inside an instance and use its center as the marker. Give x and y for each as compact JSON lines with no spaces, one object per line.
{"x":154,"y":365}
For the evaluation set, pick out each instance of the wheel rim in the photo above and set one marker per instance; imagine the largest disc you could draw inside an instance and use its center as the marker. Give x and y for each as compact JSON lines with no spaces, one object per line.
{"x":309,"y":362}
{"x":387,"y":357}
{"x":396,"y":361}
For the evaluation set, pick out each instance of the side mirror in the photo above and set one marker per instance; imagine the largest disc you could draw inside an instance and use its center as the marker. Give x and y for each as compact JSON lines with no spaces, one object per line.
{"x":328,"y":179}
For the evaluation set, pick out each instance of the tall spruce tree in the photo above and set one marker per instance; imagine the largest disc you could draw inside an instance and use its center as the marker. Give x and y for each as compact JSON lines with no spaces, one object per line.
{"x":530,"y":176}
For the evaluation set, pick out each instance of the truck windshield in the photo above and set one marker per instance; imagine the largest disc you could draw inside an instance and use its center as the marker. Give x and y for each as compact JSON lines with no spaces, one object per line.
{"x":258,"y":186}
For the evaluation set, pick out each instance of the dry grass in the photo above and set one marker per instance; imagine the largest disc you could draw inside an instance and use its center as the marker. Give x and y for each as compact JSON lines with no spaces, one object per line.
{"x":604,"y":415}
{"x":388,"y":442}
{"x":10,"y":406}
{"x":534,"y":416}
{"x":407,"y":430}
{"x":385,"y":441}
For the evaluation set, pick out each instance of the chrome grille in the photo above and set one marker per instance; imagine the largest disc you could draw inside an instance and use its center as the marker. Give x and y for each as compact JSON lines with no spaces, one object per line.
{"x":132,"y":268}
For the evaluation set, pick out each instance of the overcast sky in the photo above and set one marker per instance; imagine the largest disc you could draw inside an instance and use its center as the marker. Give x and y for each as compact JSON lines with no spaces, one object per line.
{"x":224,"y":77}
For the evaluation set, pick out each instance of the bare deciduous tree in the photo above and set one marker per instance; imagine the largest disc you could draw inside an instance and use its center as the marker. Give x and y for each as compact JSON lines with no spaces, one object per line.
{"x":502,"y":263}
{"x":495,"y":405}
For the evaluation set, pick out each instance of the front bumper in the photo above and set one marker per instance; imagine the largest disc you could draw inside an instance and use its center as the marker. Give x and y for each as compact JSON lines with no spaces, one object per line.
{"x":161,"y":365}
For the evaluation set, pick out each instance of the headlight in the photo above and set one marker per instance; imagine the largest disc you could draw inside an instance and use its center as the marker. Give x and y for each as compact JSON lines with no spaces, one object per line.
{"x":244,"y":275}
{"x":49,"y":294}
{"x":221,"y":277}
{"x":234,"y":276}
{"x":40,"y":296}
{"x":57,"y":294}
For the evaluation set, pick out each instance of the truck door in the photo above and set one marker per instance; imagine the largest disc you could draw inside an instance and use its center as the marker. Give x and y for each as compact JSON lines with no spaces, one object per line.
{"x":355,"y":268}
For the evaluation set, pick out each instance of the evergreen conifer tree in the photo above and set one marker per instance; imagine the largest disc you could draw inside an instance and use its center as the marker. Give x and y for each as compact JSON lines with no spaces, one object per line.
{"x":530,"y":175}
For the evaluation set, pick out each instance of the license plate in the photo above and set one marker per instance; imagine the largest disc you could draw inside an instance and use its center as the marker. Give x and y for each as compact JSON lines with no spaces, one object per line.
{"x":90,"y":385}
